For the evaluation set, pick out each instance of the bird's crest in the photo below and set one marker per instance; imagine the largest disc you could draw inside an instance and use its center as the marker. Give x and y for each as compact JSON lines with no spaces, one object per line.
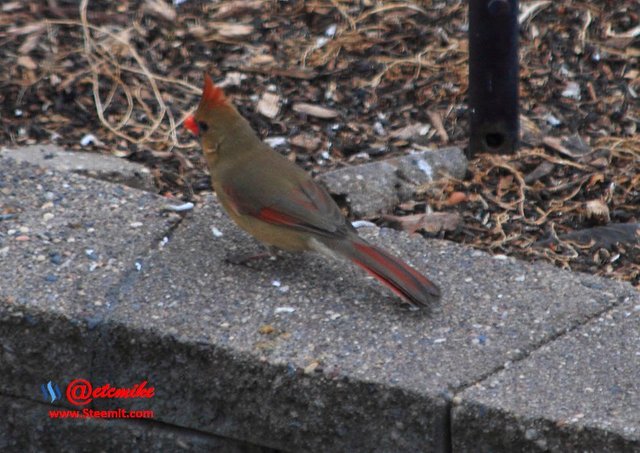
{"x":212,"y":95}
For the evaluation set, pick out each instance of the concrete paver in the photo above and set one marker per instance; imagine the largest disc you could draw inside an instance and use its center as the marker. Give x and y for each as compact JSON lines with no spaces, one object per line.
{"x":100,"y":166}
{"x":300,"y":353}
{"x":65,"y":242}
{"x":579,"y":393}
{"x":378,"y":187}
{"x":338,"y":347}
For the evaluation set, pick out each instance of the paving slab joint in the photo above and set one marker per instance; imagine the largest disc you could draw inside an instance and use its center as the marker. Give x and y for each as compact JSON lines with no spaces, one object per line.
{"x":544,"y":341}
{"x":447,"y":446}
{"x":128,"y":279}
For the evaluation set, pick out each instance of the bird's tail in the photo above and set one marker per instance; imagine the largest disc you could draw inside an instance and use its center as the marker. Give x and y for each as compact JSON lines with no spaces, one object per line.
{"x":401,"y":278}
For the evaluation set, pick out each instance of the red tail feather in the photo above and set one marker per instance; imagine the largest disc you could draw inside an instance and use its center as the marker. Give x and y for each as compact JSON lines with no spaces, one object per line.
{"x":401,"y":278}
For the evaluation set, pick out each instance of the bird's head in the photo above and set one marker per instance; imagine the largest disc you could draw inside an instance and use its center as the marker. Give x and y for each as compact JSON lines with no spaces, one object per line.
{"x":214,"y":118}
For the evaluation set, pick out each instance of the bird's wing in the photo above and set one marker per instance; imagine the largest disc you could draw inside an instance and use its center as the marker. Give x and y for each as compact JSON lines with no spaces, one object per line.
{"x":299,"y":203}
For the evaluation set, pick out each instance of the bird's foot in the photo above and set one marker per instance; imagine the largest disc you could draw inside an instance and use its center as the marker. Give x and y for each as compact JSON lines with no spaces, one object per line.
{"x":245,"y":258}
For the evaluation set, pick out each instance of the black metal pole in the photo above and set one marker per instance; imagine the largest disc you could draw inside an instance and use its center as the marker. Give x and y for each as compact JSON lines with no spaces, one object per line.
{"x":493,"y":76}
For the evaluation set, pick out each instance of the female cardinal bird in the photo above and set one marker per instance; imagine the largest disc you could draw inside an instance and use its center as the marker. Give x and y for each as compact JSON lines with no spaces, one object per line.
{"x":280,"y":205}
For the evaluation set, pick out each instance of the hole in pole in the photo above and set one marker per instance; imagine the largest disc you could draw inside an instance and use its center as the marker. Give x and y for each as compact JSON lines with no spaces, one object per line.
{"x":494,"y":140}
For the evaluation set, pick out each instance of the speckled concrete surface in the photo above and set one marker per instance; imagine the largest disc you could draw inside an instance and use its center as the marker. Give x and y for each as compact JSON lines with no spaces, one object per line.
{"x":305,"y":313}
{"x":298,"y":354}
{"x":65,"y":242}
{"x":579,"y":393}
{"x":99,"y":166}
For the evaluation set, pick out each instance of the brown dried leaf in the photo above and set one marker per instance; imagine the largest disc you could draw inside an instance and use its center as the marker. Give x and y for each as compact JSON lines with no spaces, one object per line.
{"x":231,"y":30}
{"x":306,"y":141}
{"x":411,"y":131}
{"x":456,"y":198}
{"x":408,"y":205}
{"x":409,"y":223}
{"x":12,"y":6}
{"x":597,"y":208}
{"x":542,"y":170}
{"x":237,"y":7}
{"x":161,"y":8}
{"x":261,"y":59}
{"x":633,"y":33}
{"x":600,"y":162}
{"x":27,"y":62}
{"x":314,"y":110}
{"x":436,"y":120}
{"x":269,"y":105}
{"x":595,"y":178}
{"x":436,"y":222}
{"x":504,"y":184}
{"x":433,"y":222}
{"x":530,"y":132}
{"x":27,"y":29}
{"x":30,"y":43}
{"x":198,"y":31}
{"x":631,"y":74}
{"x":572,"y":146}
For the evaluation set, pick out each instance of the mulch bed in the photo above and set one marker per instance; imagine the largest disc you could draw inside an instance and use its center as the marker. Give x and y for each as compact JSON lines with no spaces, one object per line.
{"x":338,"y":83}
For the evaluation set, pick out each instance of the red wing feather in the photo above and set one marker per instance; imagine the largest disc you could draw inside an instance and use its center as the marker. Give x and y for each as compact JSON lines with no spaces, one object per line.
{"x":298,"y":211}
{"x":272,"y":216}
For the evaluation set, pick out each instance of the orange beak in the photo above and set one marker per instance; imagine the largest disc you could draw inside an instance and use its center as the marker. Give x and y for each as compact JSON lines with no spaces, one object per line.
{"x":191,"y":124}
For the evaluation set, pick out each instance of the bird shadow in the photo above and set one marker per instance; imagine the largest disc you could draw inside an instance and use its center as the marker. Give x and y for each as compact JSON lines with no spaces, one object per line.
{"x":348,"y":284}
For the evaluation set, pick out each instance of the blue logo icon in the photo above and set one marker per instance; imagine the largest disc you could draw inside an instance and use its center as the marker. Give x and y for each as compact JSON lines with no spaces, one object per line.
{"x":51,"y":391}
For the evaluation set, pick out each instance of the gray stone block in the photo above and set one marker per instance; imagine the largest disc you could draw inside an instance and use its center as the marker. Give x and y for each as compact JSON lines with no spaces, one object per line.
{"x":578,"y":393}
{"x":100,"y":166}
{"x":377,"y":187}
{"x":378,"y":377}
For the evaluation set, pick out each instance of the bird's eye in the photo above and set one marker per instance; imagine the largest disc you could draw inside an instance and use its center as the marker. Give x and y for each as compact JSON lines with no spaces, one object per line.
{"x":203,"y":126}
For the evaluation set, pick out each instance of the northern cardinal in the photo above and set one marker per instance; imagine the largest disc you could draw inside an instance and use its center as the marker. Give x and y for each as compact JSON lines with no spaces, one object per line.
{"x":280,"y":205}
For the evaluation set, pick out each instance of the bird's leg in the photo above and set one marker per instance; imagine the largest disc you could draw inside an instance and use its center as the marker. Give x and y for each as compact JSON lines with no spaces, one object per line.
{"x":244,"y":258}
